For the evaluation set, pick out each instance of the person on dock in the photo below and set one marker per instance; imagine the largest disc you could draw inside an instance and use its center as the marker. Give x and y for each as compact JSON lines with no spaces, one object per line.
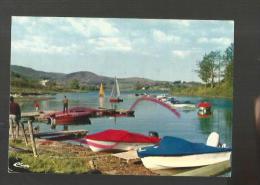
{"x":37,"y":106}
{"x":65,"y":104}
{"x":14,"y":117}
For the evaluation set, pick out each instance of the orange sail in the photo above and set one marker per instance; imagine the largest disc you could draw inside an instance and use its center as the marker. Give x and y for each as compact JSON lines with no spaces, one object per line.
{"x":101,"y":91}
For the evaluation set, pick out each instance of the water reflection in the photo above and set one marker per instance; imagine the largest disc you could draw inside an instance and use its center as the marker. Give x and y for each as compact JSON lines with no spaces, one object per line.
{"x":148,"y":116}
{"x":101,"y":102}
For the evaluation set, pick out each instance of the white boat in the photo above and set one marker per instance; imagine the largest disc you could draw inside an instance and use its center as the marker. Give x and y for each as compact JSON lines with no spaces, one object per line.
{"x":184,"y":105}
{"x":115,"y":93}
{"x":180,"y":104}
{"x":159,"y":163}
{"x":178,"y":153}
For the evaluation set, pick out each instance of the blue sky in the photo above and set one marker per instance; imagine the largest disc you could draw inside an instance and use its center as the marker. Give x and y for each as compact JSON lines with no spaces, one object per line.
{"x":158,"y":49}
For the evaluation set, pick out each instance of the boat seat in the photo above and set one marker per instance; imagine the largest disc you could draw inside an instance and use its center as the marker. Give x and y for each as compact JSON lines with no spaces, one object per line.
{"x":213,"y":139}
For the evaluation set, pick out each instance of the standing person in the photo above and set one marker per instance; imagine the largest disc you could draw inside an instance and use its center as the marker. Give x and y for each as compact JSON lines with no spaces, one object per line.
{"x":14,"y":116}
{"x":37,"y":106}
{"x":65,"y":104}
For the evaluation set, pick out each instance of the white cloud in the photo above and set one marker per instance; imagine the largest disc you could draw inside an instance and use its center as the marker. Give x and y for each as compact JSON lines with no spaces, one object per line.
{"x":160,"y":36}
{"x":21,"y":19}
{"x":225,"y":41}
{"x":111,"y":43}
{"x":39,"y":44}
{"x":181,"y":53}
{"x":93,"y":27}
{"x":185,"y":23}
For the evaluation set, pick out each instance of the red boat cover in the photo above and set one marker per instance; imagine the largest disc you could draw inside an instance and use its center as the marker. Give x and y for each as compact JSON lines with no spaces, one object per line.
{"x":204,"y":104}
{"x":122,"y":136}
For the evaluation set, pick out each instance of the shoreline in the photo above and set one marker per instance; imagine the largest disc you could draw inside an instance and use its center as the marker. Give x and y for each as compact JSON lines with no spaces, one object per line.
{"x":218,"y":97}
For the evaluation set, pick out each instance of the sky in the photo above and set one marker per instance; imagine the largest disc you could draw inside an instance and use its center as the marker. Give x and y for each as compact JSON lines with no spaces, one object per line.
{"x":158,"y":49}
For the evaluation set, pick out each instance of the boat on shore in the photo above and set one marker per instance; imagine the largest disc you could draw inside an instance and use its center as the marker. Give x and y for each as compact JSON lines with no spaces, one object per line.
{"x":115,"y":93}
{"x":173,"y":152}
{"x":118,"y":140}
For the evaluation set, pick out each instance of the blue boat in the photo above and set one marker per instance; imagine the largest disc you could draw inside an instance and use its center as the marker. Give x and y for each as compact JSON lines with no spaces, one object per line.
{"x":173,"y":152}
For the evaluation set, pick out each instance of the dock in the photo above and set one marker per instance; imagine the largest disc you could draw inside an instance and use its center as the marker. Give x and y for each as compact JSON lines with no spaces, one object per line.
{"x":61,"y":135}
{"x":42,"y":116}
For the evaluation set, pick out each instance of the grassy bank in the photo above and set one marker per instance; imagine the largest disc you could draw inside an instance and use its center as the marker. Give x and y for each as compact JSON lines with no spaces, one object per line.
{"x":59,"y":157}
{"x":222,"y":90}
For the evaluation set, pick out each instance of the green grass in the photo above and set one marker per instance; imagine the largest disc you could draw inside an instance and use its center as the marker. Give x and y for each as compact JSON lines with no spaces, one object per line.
{"x":222,"y":90}
{"x":50,"y":162}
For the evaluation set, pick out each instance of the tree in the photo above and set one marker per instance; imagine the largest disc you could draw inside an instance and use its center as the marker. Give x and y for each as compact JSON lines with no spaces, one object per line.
{"x":74,"y":84}
{"x":204,"y":70}
{"x":228,"y":59}
{"x":229,"y":54}
{"x":208,"y":67}
{"x":138,"y":86}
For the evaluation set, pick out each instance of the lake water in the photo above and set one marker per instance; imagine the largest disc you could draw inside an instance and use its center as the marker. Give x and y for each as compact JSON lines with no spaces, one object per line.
{"x":149,"y":117}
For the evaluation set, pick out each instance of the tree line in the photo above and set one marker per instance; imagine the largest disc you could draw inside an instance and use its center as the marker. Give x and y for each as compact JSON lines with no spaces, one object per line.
{"x":216,"y":67}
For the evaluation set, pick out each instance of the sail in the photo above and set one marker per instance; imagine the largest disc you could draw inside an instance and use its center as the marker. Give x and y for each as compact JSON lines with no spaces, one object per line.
{"x":115,"y":90}
{"x":101,"y":91}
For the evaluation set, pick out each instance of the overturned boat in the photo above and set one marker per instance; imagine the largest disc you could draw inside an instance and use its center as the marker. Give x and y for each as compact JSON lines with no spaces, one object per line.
{"x":173,"y":152}
{"x":119,"y":140}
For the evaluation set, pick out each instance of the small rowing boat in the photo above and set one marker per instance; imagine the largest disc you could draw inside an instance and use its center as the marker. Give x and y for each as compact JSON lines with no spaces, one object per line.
{"x":173,"y":152}
{"x":118,"y":140}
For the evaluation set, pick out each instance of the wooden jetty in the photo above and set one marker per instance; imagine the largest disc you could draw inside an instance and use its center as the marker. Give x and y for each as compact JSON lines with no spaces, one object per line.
{"x":94,"y":113}
{"x":61,"y":135}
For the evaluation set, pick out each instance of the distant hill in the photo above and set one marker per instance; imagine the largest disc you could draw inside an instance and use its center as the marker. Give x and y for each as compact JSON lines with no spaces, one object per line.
{"x":84,"y":77}
{"x":34,"y":74}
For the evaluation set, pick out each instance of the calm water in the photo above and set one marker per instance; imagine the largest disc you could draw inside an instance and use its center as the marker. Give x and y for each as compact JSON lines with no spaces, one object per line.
{"x":149,"y":117}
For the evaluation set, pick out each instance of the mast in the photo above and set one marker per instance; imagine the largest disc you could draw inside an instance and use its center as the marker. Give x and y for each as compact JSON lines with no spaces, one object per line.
{"x":117,"y":89}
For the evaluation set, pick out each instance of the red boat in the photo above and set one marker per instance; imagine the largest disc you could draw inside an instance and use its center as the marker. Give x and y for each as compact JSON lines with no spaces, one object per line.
{"x":115,"y":100}
{"x":204,"y":109}
{"x":118,"y":140}
{"x":73,"y":116}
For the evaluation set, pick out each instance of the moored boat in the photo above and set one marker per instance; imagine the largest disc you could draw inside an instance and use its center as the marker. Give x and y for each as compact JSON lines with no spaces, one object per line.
{"x":74,"y":115}
{"x":115,"y":93}
{"x":180,"y":104}
{"x":118,"y":140}
{"x":174,"y":152}
{"x":101,"y":91}
{"x":204,"y":109}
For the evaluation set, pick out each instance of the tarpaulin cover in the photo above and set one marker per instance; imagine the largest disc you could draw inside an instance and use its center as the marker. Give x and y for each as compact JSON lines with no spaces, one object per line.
{"x":172,"y":146}
{"x":204,"y":104}
{"x":122,"y":136}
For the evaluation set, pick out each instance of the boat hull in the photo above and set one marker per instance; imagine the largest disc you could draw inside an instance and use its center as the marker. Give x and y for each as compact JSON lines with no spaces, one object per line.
{"x":168,"y":162}
{"x":115,"y":100}
{"x":191,"y":106}
{"x":100,"y":146}
{"x":68,"y":119}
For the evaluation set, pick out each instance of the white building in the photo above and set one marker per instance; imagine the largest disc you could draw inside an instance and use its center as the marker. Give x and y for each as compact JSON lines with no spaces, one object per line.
{"x":44,"y":82}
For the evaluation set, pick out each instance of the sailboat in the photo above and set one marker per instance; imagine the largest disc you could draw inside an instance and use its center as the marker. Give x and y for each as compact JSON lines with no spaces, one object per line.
{"x":101,"y":91}
{"x":115,"y":94}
